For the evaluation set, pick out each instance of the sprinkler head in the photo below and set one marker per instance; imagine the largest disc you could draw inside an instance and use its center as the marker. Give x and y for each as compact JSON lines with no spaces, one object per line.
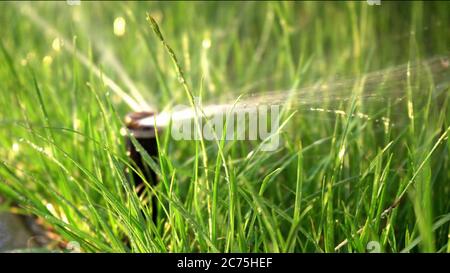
{"x":145,"y":135}
{"x":134,"y":123}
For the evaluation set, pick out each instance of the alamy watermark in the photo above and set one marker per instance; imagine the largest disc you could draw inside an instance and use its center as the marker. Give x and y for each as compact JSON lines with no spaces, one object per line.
{"x":73,"y":2}
{"x":258,"y":122}
{"x":374,"y":2}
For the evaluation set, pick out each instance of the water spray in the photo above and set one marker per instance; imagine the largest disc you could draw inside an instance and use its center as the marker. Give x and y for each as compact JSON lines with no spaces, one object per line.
{"x":375,"y":86}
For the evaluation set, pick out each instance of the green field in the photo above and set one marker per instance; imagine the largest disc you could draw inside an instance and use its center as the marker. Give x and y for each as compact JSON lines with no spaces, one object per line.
{"x":353,"y":173}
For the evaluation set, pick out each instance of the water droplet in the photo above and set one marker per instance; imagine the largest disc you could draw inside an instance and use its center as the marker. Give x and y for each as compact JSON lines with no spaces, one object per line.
{"x":57,"y":44}
{"x":123,"y":131}
{"x":119,"y":26}
{"x":47,"y":60}
{"x":15,"y":147}
{"x":206,"y":43}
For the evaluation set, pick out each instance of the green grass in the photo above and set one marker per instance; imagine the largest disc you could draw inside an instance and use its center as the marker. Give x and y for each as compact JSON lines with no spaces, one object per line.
{"x":337,"y":183}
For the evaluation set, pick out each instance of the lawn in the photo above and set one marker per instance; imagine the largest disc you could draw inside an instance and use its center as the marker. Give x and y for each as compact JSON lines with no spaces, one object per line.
{"x":363,"y":159}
